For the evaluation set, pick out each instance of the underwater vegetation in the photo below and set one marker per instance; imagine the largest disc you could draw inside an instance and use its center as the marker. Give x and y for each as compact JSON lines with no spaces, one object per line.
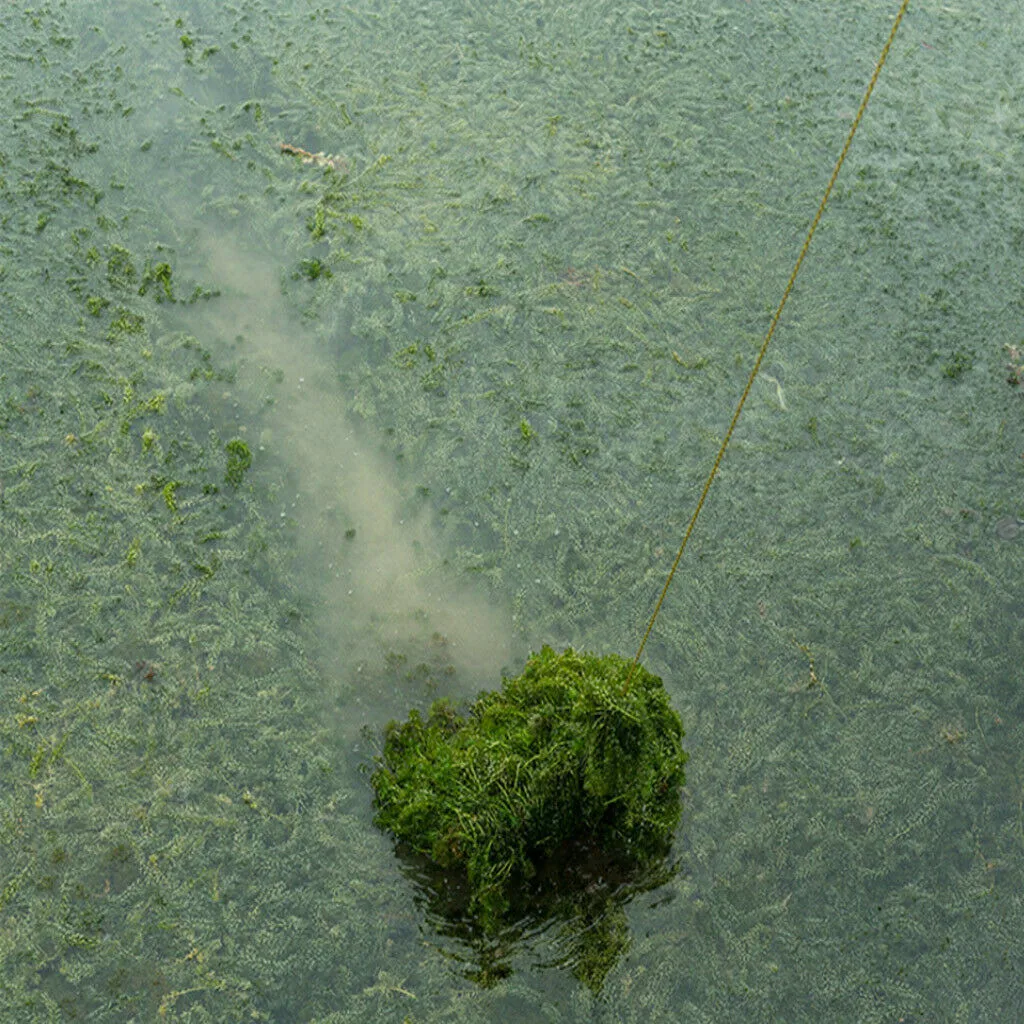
{"x":239,"y":460}
{"x":183,"y":836}
{"x":565,"y":750}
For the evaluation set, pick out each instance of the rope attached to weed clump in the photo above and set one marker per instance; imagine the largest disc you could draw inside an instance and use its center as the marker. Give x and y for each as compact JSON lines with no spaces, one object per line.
{"x":771,"y":331}
{"x":557,"y":753}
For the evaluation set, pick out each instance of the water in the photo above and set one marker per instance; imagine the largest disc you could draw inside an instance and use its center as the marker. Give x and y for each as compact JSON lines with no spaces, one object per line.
{"x":482,"y":375}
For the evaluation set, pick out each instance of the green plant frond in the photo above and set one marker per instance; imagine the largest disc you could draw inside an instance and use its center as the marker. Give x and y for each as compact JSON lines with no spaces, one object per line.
{"x":562,"y":750}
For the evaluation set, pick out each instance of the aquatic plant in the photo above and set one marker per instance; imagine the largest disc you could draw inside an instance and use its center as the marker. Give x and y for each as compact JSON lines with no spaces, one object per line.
{"x":561,"y":751}
{"x":239,"y":460}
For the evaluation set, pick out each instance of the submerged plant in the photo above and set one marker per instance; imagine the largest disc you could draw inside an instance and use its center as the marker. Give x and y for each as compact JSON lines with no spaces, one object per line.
{"x":239,"y":460}
{"x":562,"y":751}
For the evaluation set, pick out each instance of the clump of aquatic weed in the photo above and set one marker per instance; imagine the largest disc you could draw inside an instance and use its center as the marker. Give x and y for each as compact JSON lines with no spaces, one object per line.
{"x":565,"y":749}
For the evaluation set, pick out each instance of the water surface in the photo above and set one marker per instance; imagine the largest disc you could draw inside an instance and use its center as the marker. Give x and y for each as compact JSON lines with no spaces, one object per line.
{"x":481,"y":363}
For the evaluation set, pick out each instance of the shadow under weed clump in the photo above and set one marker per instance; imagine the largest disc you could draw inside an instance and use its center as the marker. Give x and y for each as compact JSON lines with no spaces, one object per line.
{"x":564,"y":752}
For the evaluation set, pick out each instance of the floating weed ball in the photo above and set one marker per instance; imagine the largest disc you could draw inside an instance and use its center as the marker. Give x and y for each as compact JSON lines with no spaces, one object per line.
{"x":563,"y":751}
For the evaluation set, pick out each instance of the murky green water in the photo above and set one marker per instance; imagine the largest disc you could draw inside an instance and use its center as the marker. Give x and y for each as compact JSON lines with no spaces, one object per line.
{"x":481,"y":363}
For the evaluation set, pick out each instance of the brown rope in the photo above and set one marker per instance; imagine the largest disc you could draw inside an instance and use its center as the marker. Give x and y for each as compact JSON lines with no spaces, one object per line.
{"x":768,"y":336}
